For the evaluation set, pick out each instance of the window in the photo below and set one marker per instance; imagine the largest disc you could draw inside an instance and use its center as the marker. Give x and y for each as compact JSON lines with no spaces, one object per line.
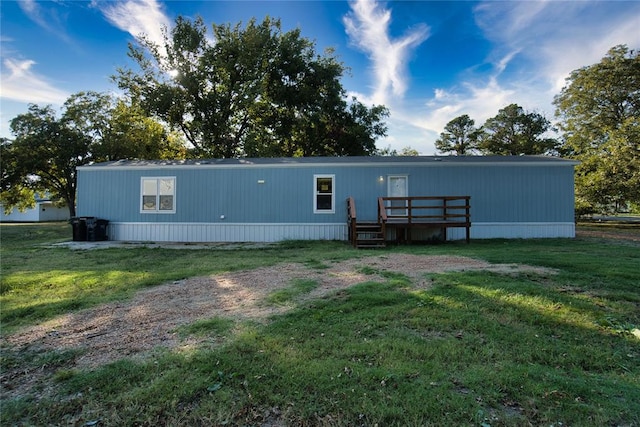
{"x":324,"y":194}
{"x":158,"y":195}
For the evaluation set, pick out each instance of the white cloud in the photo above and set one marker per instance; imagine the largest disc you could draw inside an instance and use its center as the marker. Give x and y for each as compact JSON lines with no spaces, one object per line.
{"x":589,"y":46}
{"x":559,"y":37}
{"x":20,"y":83}
{"x":535,"y":47}
{"x":479,"y":102}
{"x":138,"y":17}
{"x":33,"y":10}
{"x":48,"y":19}
{"x":368,"y":28}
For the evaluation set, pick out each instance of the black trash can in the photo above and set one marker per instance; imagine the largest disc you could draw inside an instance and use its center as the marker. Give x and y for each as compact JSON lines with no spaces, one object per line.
{"x":79,"y":226}
{"x":97,"y":229}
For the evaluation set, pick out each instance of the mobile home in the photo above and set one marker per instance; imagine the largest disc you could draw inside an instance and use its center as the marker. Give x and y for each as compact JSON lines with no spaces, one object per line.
{"x":273,"y":199}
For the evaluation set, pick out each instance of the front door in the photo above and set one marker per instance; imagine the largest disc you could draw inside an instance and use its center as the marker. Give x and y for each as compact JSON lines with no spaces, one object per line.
{"x":398,"y":186}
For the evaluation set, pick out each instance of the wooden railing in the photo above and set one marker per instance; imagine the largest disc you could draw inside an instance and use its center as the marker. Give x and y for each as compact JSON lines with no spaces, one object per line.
{"x":428,"y":211}
{"x":382,"y":216}
{"x":351,"y":220}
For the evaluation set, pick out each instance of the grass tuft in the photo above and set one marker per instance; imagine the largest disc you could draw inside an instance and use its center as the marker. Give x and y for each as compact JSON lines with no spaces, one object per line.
{"x":287,"y":295}
{"x":217,"y":326}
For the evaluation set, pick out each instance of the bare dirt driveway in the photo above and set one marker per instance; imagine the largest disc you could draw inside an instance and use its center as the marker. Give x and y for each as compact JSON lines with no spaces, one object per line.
{"x":149,"y":320}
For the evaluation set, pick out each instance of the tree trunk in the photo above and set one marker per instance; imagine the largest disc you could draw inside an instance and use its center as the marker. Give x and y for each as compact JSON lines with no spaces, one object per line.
{"x":72,"y":209}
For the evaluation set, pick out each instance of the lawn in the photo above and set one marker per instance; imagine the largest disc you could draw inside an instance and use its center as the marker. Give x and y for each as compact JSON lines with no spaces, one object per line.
{"x":476,"y":347}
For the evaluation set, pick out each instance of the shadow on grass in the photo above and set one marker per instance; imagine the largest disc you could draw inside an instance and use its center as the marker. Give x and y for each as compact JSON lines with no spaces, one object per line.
{"x":477,"y":348}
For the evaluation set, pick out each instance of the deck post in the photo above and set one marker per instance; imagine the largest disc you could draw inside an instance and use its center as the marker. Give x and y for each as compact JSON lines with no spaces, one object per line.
{"x":351,"y":220}
{"x":410,"y":215}
{"x":468,"y":217}
{"x":445,"y":215}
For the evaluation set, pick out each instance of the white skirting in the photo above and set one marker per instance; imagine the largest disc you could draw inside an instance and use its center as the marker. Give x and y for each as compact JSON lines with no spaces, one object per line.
{"x":515,"y":230}
{"x":230,"y":232}
{"x":223,"y":232}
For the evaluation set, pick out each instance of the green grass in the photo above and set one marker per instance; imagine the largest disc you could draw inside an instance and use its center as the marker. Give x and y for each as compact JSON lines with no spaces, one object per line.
{"x":476,"y":348}
{"x":216,"y":326}
{"x":39,"y":282}
{"x":288,"y":295}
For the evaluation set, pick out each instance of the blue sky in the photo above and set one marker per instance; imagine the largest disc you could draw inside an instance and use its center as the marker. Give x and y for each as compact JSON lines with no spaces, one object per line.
{"x":427,"y":61}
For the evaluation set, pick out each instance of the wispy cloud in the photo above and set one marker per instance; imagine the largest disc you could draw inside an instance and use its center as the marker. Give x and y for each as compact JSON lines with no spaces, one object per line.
{"x":21,"y":83}
{"x":556,"y":37}
{"x":479,"y":101}
{"x":47,"y":18}
{"x":368,"y":28}
{"x":535,"y":47}
{"x":137,"y":17}
{"x":599,"y":33}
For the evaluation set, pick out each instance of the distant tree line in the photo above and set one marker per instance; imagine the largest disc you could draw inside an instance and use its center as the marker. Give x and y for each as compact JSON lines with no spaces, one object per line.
{"x":513,"y":131}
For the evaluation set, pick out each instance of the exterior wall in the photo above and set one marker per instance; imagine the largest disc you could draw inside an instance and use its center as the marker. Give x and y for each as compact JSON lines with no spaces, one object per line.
{"x":44,"y":211}
{"x":271,"y":202}
{"x":30,"y":215}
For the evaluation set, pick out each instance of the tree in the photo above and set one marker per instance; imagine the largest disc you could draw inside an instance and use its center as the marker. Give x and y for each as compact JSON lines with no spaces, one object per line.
{"x":409,"y":152}
{"x":254,"y":91}
{"x":514,"y":131}
{"x":392,"y":152}
{"x":460,"y":137}
{"x":93,"y":127}
{"x":599,"y":114}
{"x":119,"y":130}
{"x":42,"y":158}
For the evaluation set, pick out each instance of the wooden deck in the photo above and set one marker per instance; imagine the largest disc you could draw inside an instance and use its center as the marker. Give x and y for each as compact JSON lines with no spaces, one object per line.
{"x":407,"y":213}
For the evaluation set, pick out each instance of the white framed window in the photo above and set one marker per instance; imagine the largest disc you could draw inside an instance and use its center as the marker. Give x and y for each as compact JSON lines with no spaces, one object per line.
{"x":324,"y":194}
{"x":158,"y":194}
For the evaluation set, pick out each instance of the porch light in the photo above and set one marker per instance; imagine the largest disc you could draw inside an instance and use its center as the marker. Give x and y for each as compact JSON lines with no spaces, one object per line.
{"x":381,"y":178}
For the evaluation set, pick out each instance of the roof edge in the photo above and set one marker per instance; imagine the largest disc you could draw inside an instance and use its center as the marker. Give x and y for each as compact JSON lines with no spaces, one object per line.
{"x":360,"y":161}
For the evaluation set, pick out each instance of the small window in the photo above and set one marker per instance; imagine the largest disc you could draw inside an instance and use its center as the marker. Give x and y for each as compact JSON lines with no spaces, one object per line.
{"x":158,"y":195}
{"x":324,"y":194}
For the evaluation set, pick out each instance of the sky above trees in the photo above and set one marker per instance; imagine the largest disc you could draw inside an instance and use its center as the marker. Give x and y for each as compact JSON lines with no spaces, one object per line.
{"x":428,"y":62}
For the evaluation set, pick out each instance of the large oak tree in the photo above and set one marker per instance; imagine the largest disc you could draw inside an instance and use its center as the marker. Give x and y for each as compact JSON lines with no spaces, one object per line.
{"x":250,"y":91}
{"x":599,"y":114}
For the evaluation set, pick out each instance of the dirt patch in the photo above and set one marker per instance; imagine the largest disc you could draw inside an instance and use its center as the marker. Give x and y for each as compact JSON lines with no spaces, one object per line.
{"x":149,"y":320}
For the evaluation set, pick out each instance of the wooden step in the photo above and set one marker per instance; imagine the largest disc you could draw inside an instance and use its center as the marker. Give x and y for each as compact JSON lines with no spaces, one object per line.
{"x":370,"y":243}
{"x":369,"y":235}
{"x":368,"y":225}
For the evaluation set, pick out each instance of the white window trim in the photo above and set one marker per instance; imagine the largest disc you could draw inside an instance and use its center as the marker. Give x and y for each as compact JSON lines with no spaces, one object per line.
{"x":315,"y":194}
{"x":157,"y":210}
